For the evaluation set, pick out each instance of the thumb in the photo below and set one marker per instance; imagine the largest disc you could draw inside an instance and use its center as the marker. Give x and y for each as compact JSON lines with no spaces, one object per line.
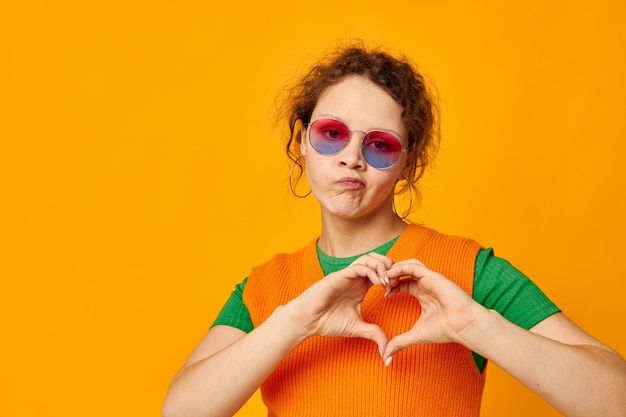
{"x":395,"y":345}
{"x":374,"y":333}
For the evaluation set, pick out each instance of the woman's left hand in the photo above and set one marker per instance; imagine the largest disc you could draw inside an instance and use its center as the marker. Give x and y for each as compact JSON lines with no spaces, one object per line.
{"x":447,"y":310}
{"x":556,"y":359}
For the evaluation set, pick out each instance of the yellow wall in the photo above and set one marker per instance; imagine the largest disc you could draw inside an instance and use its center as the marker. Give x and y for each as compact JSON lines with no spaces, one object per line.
{"x":137,"y":155}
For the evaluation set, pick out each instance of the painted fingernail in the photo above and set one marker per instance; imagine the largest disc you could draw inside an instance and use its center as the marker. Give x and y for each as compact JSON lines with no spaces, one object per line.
{"x":388,"y":361}
{"x":385,"y":284}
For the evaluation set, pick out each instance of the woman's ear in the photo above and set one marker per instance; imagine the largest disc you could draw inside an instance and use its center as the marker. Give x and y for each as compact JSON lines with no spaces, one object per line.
{"x":303,"y":142}
{"x":408,"y":171}
{"x":404,"y":174}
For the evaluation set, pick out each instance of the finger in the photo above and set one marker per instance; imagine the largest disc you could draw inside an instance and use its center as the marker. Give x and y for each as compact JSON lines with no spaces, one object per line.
{"x":409,"y":285}
{"x":395,"y":345}
{"x":374,"y":333}
{"x":384,"y":281}
{"x":408,"y":268}
{"x":379,"y":263}
{"x":369,"y":270}
{"x":410,"y":262}
{"x":361,"y":271}
{"x":383,"y":263}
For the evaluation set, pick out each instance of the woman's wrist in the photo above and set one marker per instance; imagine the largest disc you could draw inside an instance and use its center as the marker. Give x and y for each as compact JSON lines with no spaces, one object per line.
{"x":292,"y":321}
{"x":482,"y":322}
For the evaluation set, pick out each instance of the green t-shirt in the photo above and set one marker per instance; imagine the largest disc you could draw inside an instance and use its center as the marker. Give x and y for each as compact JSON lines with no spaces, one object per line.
{"x":497,"y":285}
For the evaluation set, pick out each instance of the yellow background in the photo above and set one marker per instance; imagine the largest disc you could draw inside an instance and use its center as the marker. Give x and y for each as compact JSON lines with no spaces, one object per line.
{"x":141,"y":176}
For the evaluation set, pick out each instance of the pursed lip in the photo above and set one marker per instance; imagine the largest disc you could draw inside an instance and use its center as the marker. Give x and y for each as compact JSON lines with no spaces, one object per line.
{"x":351,"y":183}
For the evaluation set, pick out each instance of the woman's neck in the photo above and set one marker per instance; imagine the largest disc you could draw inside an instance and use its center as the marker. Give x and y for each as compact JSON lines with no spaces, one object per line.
{"x":342,"y":238}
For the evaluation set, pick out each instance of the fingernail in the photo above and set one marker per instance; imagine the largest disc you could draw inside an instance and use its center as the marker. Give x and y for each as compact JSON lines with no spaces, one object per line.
{"x":388,"y":361}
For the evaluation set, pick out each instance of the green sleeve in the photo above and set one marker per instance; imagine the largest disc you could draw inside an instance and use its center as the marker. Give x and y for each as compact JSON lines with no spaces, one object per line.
{"x":235,"y":313}
{"x":501,"y":287}
{"x":497,"y":285}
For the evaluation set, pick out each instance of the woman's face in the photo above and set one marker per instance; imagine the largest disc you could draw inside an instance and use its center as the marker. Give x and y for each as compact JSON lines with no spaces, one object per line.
{"x":344,"y":183}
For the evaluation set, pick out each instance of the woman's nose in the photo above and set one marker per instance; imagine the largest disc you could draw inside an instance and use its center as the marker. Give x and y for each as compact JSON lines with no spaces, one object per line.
{"x":352,"y":155}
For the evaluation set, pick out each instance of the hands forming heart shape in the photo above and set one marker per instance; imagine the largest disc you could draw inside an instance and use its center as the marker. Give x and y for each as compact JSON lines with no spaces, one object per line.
{"x":332,"y":306}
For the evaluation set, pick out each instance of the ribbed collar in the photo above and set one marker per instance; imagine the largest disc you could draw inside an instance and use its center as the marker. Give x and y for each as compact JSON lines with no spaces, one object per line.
{"x":407,"y":244}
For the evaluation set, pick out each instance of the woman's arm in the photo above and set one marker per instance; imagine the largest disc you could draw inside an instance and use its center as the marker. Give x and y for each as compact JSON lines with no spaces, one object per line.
{"x":228,"y":365}
{"x":556,"y":359}
{"x":570,"y":369}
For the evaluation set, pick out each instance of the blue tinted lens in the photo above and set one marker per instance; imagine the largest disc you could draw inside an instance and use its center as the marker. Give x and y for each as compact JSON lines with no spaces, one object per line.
{"x":329,"y":137}
{"x":381,"y":149}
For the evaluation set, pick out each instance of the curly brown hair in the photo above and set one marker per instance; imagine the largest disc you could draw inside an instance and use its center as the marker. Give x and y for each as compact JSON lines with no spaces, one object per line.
{"x":394,"y":74}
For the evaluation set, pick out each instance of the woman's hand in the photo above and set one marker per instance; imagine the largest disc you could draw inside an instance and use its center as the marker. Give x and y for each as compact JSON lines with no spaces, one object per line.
{"x":332,"y":306}
{"x":447,"y":310}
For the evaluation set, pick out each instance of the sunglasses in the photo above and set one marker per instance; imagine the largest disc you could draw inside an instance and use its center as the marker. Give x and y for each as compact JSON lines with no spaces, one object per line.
{"x":329,"y":137}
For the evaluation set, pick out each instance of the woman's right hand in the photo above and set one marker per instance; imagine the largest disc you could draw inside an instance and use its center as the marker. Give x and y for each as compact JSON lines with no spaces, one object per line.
{"x":224,"y":370}
{"x":332,"y":306}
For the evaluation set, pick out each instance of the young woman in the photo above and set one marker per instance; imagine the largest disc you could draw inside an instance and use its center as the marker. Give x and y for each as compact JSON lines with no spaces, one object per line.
{"x":378,"y":317}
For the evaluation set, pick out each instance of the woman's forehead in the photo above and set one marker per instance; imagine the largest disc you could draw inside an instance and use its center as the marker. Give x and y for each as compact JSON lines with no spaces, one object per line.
{"x":362,"y":105}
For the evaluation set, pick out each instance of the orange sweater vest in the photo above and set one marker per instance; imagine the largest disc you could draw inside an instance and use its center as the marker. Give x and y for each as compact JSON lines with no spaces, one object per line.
{"x":327,"y":376}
